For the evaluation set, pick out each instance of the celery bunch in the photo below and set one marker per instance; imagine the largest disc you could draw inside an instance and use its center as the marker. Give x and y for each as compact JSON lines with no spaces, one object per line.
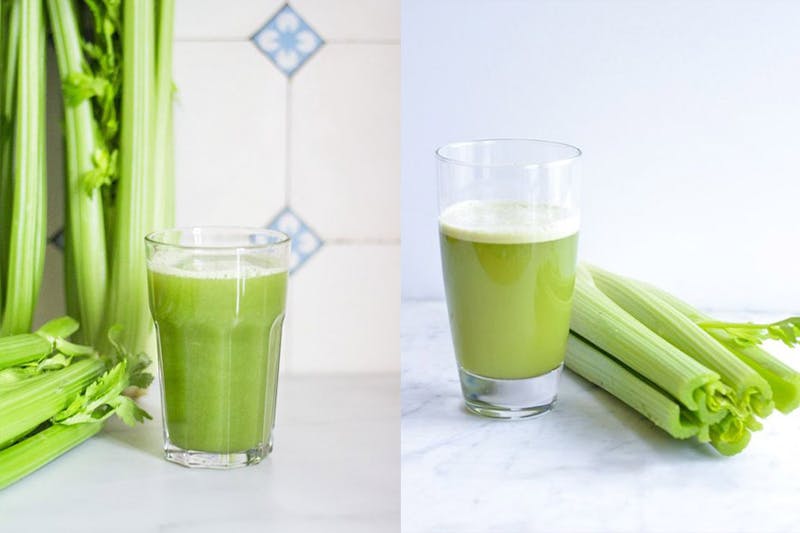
{"x":114,"y":60}
{"x":119,"y":184}
{"x":54,"y":394}
{"x":688,"y":374}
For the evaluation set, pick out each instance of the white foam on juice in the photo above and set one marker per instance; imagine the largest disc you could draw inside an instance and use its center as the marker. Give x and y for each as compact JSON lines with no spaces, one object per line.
{"x":508,"y":222}
{"x":208,"y":267}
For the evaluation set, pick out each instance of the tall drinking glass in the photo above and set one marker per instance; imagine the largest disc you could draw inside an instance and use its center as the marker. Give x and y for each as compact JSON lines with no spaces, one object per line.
{"x":508,"y":230}
{"x":218,"y":297}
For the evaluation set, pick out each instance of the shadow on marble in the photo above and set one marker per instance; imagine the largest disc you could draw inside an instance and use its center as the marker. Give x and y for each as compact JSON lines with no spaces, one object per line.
{"x":147,"y":440}
{"x":650,"y":434}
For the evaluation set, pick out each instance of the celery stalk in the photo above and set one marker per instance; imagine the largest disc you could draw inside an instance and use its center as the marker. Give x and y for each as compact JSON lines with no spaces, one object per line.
{"x":29,"y":455}
{"x":79,"y":419}
{"x":85,"y":236}
{"x":599,"y":320}
{"x":592,"y":364}
{"x":27,"y":347}
{"x":4,"y":136}
{"x":670,"y":324}
{"x":127,"y":298}
{"x":27,"y":231}
{"x":164,"y":179}
{"x":8,"y":91}
{"x":783,"y":379}
{"x":27,"y":406}
{"x":23,"y":348}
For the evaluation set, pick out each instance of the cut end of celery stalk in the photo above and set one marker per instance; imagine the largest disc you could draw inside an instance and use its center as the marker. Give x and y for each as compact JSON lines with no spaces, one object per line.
{"x":730,"y":436}
{"x":750,"y":389}
{"x":601,"y":321}
{"x":782,"y":379}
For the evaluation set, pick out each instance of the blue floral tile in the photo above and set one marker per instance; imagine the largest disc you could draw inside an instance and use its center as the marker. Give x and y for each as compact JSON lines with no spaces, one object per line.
{"x":57,"y":239}
{"x":305,"y":243}
{"x":287,"y":40}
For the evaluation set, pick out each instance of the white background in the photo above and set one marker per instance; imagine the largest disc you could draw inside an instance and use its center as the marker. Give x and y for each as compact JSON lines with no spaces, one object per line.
{"x":688,"y":114}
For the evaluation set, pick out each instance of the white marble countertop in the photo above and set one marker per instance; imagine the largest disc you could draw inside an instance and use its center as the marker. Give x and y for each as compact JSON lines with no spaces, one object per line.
{"x":592,"y":464}
{"x":334,"y":469}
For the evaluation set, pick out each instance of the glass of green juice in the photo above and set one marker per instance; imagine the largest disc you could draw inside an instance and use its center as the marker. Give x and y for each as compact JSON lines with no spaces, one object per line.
{"x":218,"y":299}
{"x":508,"y":232}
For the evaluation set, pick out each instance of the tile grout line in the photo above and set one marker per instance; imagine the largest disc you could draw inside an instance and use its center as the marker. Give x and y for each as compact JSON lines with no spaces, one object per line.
{"x":364,"y":242}
{"x":248,"y":39}
{"x":289,"y":357}
{"x":288,"y":142}
{"x":361,"y":41}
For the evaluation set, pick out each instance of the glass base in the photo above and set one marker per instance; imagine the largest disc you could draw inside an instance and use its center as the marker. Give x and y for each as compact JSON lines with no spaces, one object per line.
{"x":510,"y":398}
{"x":219,"y":461}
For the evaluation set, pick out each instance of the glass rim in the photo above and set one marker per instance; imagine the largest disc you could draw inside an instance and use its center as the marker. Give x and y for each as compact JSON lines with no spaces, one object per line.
{"x":576,"y":153}
{"x":281,"y":238}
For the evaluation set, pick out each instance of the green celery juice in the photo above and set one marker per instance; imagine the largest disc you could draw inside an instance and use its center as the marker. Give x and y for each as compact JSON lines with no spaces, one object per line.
{"x":509,"y":272}
{"x":219,"y":326}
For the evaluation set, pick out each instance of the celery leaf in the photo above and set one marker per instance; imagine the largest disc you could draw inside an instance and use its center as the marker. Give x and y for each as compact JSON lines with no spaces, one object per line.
{"x":750,"y":334}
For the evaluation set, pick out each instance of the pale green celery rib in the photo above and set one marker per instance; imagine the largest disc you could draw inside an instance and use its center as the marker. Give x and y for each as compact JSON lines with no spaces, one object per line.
{"x":24,"y":348}
{"x":127,"y":298}
{"x":783,"y":379}
{"x":85,"y":260}
{"x":673,"y":326}
{"x":29,"y":455}
{"x":728,"y":434}
{"x":599,"y":320}
{"x":27,"y":229}
{"x":3,"y":135}
{"x":27,"y":406}
{"x":592,"y":364}
{"x":16,"y":379}
{"x":8,"y":91}
{"x":163,"y":171}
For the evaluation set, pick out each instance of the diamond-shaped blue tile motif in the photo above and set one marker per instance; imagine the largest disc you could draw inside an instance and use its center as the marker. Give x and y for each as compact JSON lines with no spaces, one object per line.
{"x":57,"y":239}
{"x":305,"y":243}
{"x":287,"y":40}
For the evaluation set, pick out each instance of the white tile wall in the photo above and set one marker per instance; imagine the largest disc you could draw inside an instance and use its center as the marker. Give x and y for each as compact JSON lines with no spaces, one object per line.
{"x":344,"y":313}
{"x":230,"y":131}
{"x":353,"y":20}
{"x":221,"y":19}
{"x":323,"y":141}
{"x":252,"y":141}
{"x":345,"y":133}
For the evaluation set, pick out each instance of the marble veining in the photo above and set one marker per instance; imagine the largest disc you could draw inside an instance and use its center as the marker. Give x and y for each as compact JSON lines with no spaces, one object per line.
{"x":591,"y":465}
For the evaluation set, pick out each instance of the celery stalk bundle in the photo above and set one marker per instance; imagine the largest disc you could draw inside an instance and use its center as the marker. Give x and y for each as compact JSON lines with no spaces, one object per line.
{"x":54,"y":394}
{"x":690,"y":375}
{"x":119,"y":185}
{"x":114,"y":60}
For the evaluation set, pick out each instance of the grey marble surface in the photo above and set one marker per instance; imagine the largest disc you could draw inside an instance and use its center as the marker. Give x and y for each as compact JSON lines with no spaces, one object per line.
{"x":334,"y":469}
{"x":592,"y":464}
